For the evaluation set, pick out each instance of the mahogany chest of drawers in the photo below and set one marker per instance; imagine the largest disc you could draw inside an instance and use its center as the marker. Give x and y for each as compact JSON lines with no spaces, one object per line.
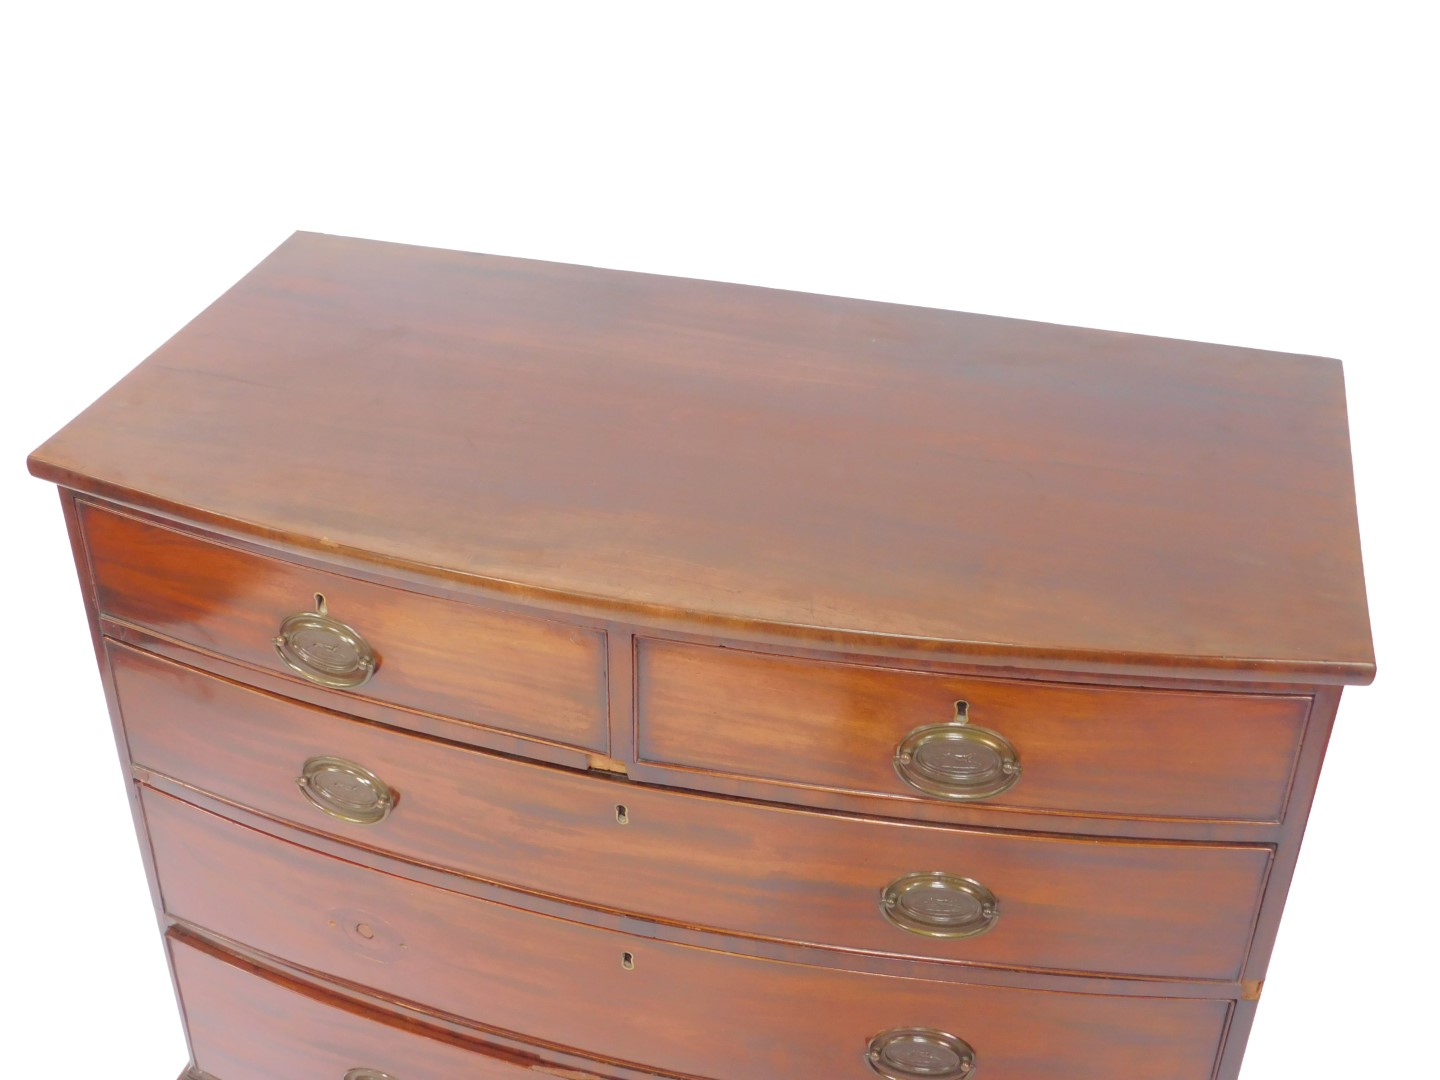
{"x":526,"y":669}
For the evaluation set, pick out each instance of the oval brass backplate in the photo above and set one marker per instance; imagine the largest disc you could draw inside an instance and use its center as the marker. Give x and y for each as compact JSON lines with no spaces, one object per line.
{"x":345,"y":790}
{"x":367,"y":1074}
{"x":912,"y":1053}
{"x":325,"y":651}
{"x":957,"y":761}
{"x":936,"y":904}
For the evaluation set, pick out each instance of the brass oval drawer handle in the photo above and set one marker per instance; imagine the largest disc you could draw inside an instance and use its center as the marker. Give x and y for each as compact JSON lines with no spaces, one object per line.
{"x":908,"y":1053}
{"x":939,"y":905}
{"x":957,"y":760}
{"x":367,"y":1074}
{"x":345,"y":790}
{"x":325,"y":650}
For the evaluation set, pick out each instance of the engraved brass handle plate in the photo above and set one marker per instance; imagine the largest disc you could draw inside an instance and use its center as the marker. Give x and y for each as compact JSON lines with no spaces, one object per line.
{"x":957,"y":760}
{"x":908,"y":1053}
{"x":367,"y":1074}
{"x":345,"y":790}
{"x":939,"y":905}
{"x":325,"y":650}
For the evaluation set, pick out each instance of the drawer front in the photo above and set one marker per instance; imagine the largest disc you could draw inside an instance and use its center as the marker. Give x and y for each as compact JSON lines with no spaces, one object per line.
{"x":666,"y":1006}
{"x":246,"y":1023}
{"x":1091,"y":751}
{"x":502,"y":671}
{"x":1180,"y":910}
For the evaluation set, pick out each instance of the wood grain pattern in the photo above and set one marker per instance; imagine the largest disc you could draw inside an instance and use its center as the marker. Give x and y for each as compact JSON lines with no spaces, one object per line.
{"x":734,"y":541}
{"x":397,"y":716}
{"x":833,"y":470}
{"x":309,"y":1035}
{"x":1084,"y":750}
{"x":530,"y":676}
{"x":1171,"y":910}
{"x":693,"y":1011}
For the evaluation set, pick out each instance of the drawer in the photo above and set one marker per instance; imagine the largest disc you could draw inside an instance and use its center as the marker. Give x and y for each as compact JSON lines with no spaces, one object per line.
{"x":1082,"y":750}
{"x":628,"y":998}
{"x":1123,"y":907}
{"x":247,"y":1023}
{"x":475,"y":664}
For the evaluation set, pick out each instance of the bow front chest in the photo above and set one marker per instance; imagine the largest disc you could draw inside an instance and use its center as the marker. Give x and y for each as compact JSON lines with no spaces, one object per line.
{"x":532,"y":670}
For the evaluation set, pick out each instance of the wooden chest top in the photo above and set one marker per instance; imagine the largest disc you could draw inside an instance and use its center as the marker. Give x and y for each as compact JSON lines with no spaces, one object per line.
{"x":839,"y":473}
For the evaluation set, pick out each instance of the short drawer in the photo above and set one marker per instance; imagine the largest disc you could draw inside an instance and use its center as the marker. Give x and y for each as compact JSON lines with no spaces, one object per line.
{"x":618,"y":996}
{"x":475,"y":664}
{"x":913,"y":736}
{"x":247,"y":1023}
{"x":844,"y":882}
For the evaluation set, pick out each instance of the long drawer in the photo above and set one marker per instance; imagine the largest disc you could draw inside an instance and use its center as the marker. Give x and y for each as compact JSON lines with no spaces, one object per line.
{"x":475,"y":664}
{"x":911,"y":736}
{"x":246,"y":1023}
{"x":967,"y":895}
{"x":670,"y":1007}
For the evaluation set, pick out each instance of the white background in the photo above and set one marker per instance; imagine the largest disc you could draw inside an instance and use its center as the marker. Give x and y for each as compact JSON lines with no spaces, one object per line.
{"x":1255,"y":174}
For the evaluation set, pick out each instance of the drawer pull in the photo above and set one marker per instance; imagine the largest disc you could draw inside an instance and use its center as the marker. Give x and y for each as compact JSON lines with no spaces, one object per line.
{"x":325,"y":650}
{"x":345,"y":790}
{"x":957,"y":760}
{"x":939,"y":905}
{"x":907,"y":1053}
{"x":367,"y":1074}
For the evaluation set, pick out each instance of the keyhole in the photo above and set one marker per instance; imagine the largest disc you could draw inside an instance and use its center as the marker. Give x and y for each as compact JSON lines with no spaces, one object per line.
{"x":627,"y":961}
{"x":622,"y":814}
{"x":320,"y":604}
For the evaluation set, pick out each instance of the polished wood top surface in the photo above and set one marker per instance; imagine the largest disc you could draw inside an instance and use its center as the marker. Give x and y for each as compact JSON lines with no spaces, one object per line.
{"x":837,"y":472}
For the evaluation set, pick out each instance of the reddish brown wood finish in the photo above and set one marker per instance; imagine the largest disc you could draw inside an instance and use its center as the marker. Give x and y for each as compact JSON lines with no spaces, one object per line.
{"x":1084,"y":750}
{"x":342,"y":701}
{"x":507,"y":474}
{"x":711,"y":1014}
{"x":530,"y":676}
{"x":755,"y":461}
{"x":1130,"y":908}
{"x":784,"y":952}
{"x":70,"y":506}
{"x":309,"y":1035}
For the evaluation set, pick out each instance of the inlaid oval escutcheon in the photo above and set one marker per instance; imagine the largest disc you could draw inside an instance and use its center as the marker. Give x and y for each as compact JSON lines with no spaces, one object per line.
{"x":939,"y":905}
{"x":907,"y":1053}
{"x":345,"y":790}
{"x":957,"y":761}
{"x":368,"y":934}
{"x":325,"y":651}
{"x":367,"y":1074}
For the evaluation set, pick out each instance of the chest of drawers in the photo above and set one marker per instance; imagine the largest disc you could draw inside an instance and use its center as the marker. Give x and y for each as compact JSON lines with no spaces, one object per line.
{"x":526,"y":669}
